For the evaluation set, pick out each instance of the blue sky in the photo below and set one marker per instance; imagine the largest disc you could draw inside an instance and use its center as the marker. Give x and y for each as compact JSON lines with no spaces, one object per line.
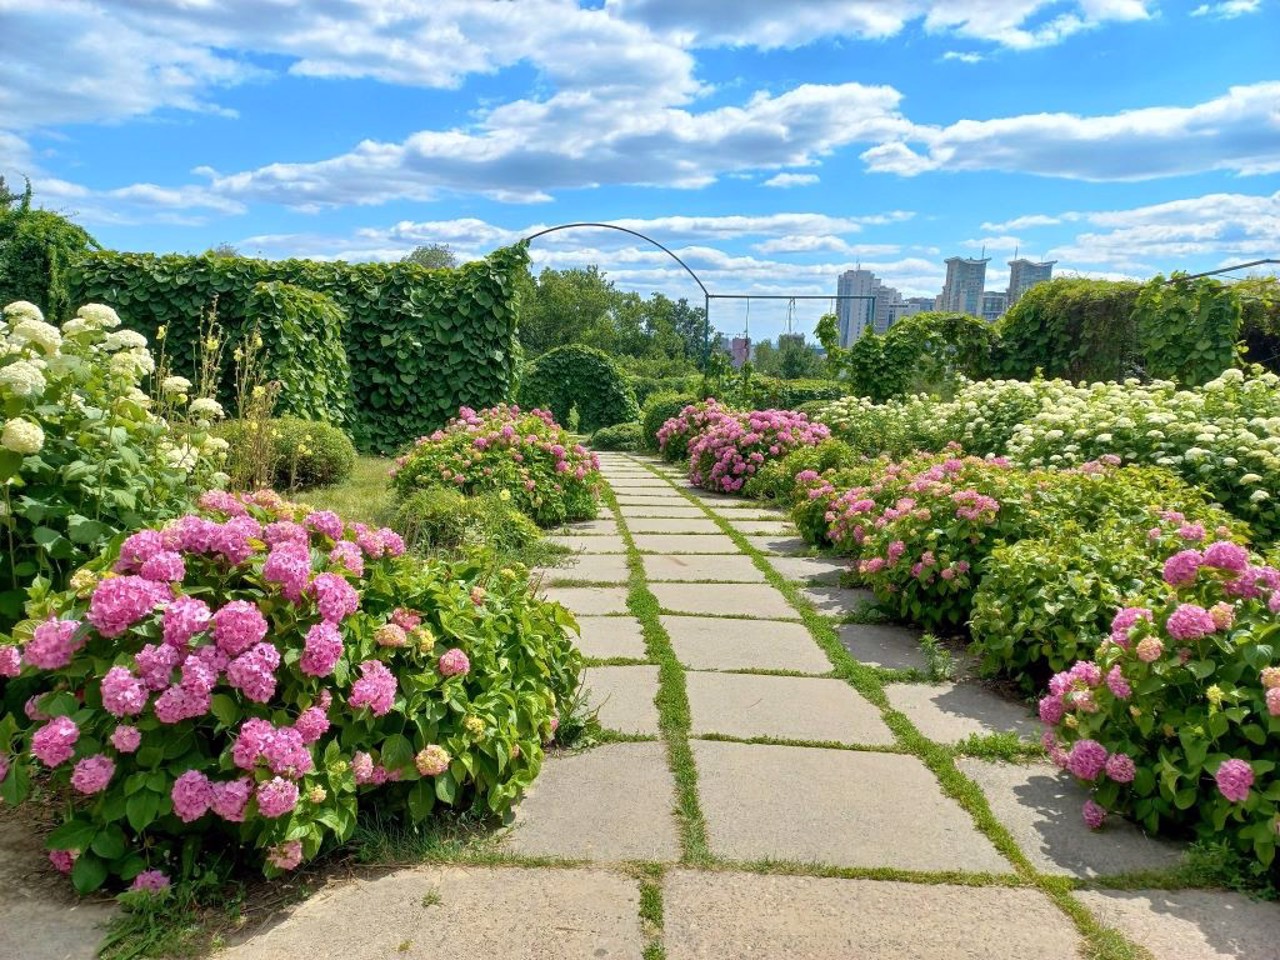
{"x":772,"y":143}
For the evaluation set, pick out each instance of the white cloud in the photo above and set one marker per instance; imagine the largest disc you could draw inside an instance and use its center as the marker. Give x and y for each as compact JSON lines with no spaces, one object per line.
{"x":786,"y":180}
{"x":1228,"y":10}
{"x":1237,"y":132}
{"x":1023,"y":223}
{"x":963,"y":57}
{"x":993,"y":244}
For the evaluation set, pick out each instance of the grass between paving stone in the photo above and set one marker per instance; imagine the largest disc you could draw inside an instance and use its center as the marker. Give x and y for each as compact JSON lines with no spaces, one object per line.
{"x":769,"y":672}
{"x":664,"y":611}
{"x":615,"y":662}
{"x":672,"y":700}
{"x":650,"y":877}
{"x":1102,"y":942}
{"x":819,"y":744}
{"x":803,"y":868}
{"x":1008,"y":747}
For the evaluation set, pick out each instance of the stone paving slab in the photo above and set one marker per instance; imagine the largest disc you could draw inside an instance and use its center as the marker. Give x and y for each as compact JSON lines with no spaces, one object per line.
{"x":1190,"y":924}
{"x":610,"y":803}
{"x":737,"y":568}
{"x":837,"y":601}
{"x":1040,"y":806}
{"x":688,"y":526}
{"x":605,"y":637}
{"x":650,"y":498}
{"x":561,"y":914}
{"x":735,"y":504}
{"x":747,"y":916}
{"x":770,"y":527}
{"x":679,"y":543}
{"x":787,"y":708}
{"x":666,"y":508}
{"x":640,"y":483}
{"x":779,"y":545}
{"x":810,"y":569}
{"x":624,"y":697}
{"x":40,"y":917}
{"x":844,"y":808}
{"x":588,"y":528}
{"x":597,"y":568}
{"x":590,"y":601}
{"x":950,"y":712}
{"x":705,"y":643}
{"x":762,"y":602}
{"x":591,"y":544}
{"x":884,"y":645}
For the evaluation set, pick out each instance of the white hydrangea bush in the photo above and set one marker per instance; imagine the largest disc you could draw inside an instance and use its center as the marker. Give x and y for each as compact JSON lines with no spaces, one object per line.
{"x":84,"y":452}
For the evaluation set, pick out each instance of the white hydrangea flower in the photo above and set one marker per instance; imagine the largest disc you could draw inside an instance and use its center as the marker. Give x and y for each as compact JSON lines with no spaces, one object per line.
{"x":1250,"y":479}
{"x":36,"y":332}
{"x":76,"y":326}
{"x":22,"y":436}
{"x":100,"y":315}
{"x":22,"y":310}
{"x":1259,"y":495}
{"x":175,"y":385}
{"x":23,"y":379}
{"x":207,"y":408}
{"x":124,"y":340}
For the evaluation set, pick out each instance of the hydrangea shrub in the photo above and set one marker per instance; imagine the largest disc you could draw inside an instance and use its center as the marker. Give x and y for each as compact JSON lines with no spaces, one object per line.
{"x":525,"y":453}
{"x":1175,"y":721}
{"x":246,"y":677}
{"x":678,"y":432}
{"x":83,"y":453}
{"x":730,"y":450}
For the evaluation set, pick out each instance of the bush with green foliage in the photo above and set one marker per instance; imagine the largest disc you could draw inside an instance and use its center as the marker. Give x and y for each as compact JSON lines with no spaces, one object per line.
{"x":772,"y":393}
{"x":658,"y":409}
{"x":646,"y":387}
{"x":420,"y":343}
{"x":575,"y":377}
{"x":621,"y":436}
{"x":776,"y":479}
{"x":83,"y":454}
{"x":255,"y":674}
{"x":440,"y":519}
{"x":527,"y":454}
{"x":305,"y":453}
{"x":730,"y":450}
{"x":1174,"y":724}
{"x":303,"y":351}
{"x":678,"y":433}
{"x":36,"y":249}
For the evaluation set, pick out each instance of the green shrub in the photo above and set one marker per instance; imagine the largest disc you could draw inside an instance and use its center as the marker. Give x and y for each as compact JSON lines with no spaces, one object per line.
{"x":776,"y":479}
{"x":621,"y":436}
{"x":388,"y":683}
{"x":420,"y":342}
{"x":526,"y":454}
{"x":82,"y":455}
{"x":658,"y":409}
{"x":36,"y":248}
{"x":773,"y":393}
{"x":441,"y":519}
{"x":574,"y":377}
{"x":731,"y":448}
{"x":1174,"y":725}
{"x":306,"y":453}
{"x":646,"y":387}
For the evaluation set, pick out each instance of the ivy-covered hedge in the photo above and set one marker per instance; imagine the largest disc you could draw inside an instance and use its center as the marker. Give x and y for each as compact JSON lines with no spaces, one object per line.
{"x":772,"y":393}
{"x":302,"y":340}
{"x":583,"y":377}
{"x":421,"y":343}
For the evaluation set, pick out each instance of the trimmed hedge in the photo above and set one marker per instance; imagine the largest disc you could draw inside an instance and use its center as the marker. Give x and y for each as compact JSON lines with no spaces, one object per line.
{"x":582,"y":377}
{"x":658,"y":409}
{"x":621,"y":436}
{"x":421,"y":343}
{"x":307,"y":453}
{"x":771,"y":393}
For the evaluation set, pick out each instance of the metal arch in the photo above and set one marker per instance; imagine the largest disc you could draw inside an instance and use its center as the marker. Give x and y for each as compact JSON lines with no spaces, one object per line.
{"x":635,"y":233}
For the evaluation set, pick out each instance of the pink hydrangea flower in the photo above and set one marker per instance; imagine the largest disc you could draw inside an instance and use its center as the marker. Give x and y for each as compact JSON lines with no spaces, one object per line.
{"x":286,"y":753}
{"x":285,"y":856}
{"x":52,"y":644}
{"x":1150,"y":649}
{"x":62,"y":860}
{"x":362,"y":767}
{"x":237,"y":626}
{"x":164,"y":567}
{"x":335,"y":597}
{"x":181,"y":702}
{"x":1190,"y":622}
{"x":1226,"y":556}
{"x":1087,"y":759}
{"x":1224,"y":615}
{"x":454,"y":663}
{"x":1180,"y":569}
{"x":229,"y":798}
{"x":1121,"y":768}
{"x":152,"y":880}
{"x":183,"y":619}
{"x":321,"y":651}
{"x":192,"y":795}
{"x":392,"y":542}
{"x":406,"y":619}
{"x":347,"y":555}
{"x":120,"y":602}
{"x":126,"y":739}
{"x":156,"y":663}
{"x":1124,"y":621}
{"x":1051,"y":709}
{"x":277,"y":797}
{"x":54,"y":743}
{"x":32,"y":709}
{"x":1118,"y":685}
{"x":1234,"y":778}
{"x":376,"y":688}
{"x":92,"y":774}
{"x":137,"y":549}
{"x":1273,"y":701}
{"x":286,"y":531}
{"x":10,"y":661}
{"x":253,"y":672}
{"x":255,"y":734}
{"x":326,"y":522}
{"x":289,"y":564}
{"x":390,"y":635}
{"x":1093,"y":814}
{"x":123,"y":694}
{"x":432,"y":760}
{"x":219,"y":501}
{"x":190,"y":534}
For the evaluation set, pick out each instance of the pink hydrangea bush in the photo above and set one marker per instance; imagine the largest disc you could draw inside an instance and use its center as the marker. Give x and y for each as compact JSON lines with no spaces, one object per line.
{"x":524,"y":453}
{"x":729,"y":452}
{"x":1176,"y":722}
{"x":251,"y":701}
{"x":678,"y":433}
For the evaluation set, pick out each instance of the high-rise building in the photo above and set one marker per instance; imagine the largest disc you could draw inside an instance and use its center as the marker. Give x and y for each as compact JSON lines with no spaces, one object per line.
{"x":886,"y":299}
{"x":740,"y":350}
{"x":1025,"y":274}
{"x":994,"y":305}
{"x":855,"y":315}
{"x":966,"y":278}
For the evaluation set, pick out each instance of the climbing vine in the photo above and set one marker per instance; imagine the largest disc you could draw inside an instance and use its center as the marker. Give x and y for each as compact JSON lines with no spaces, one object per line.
{"x":575,"y":376}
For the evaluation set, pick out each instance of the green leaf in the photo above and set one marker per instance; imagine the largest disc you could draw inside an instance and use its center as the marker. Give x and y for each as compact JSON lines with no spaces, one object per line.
{"x":142,"y":809}
{"x":83,"y":530}
{"x":109,"y":843}
{"x":446,"y":787}
{"x":72,"y":835}
{"x":88,"y":873}
{"x":422,"y":798}
{"x":225,"y":709}
{"x":397,"y":752}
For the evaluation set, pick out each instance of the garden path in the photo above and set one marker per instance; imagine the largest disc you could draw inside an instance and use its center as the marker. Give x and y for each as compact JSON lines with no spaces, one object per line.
{"x":778,"y":778}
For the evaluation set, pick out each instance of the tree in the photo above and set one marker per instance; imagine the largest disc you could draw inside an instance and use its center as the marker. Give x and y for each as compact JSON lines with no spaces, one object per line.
{"x":36,"y":247}
{"x":433,"y":256}
{"x":796,"y":360}
{"x":223,"y":249}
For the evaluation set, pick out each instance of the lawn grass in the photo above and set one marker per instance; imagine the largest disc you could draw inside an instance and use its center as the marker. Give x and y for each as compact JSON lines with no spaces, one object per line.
{"x":366,"y":496}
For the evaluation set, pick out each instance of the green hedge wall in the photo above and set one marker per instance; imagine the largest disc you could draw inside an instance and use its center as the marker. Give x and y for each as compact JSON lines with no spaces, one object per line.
{"x":420,"y":343}
{"x":773,"y":393}
{"x":302,"y":340}
{"x":583,"y":377}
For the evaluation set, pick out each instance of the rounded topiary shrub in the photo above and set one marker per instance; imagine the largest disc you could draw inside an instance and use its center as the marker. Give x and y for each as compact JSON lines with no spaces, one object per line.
{"x":658,"y":409}
{"x":621,"y":436}
{"x":235,"y":686}
{"x":584,"y":378}
{"x":304,"y":453}
{"x":441,"y":519}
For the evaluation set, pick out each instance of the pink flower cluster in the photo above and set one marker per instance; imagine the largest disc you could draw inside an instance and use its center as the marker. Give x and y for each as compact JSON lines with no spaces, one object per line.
{"x":376,"y":688}
{"x":732,"y":447}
